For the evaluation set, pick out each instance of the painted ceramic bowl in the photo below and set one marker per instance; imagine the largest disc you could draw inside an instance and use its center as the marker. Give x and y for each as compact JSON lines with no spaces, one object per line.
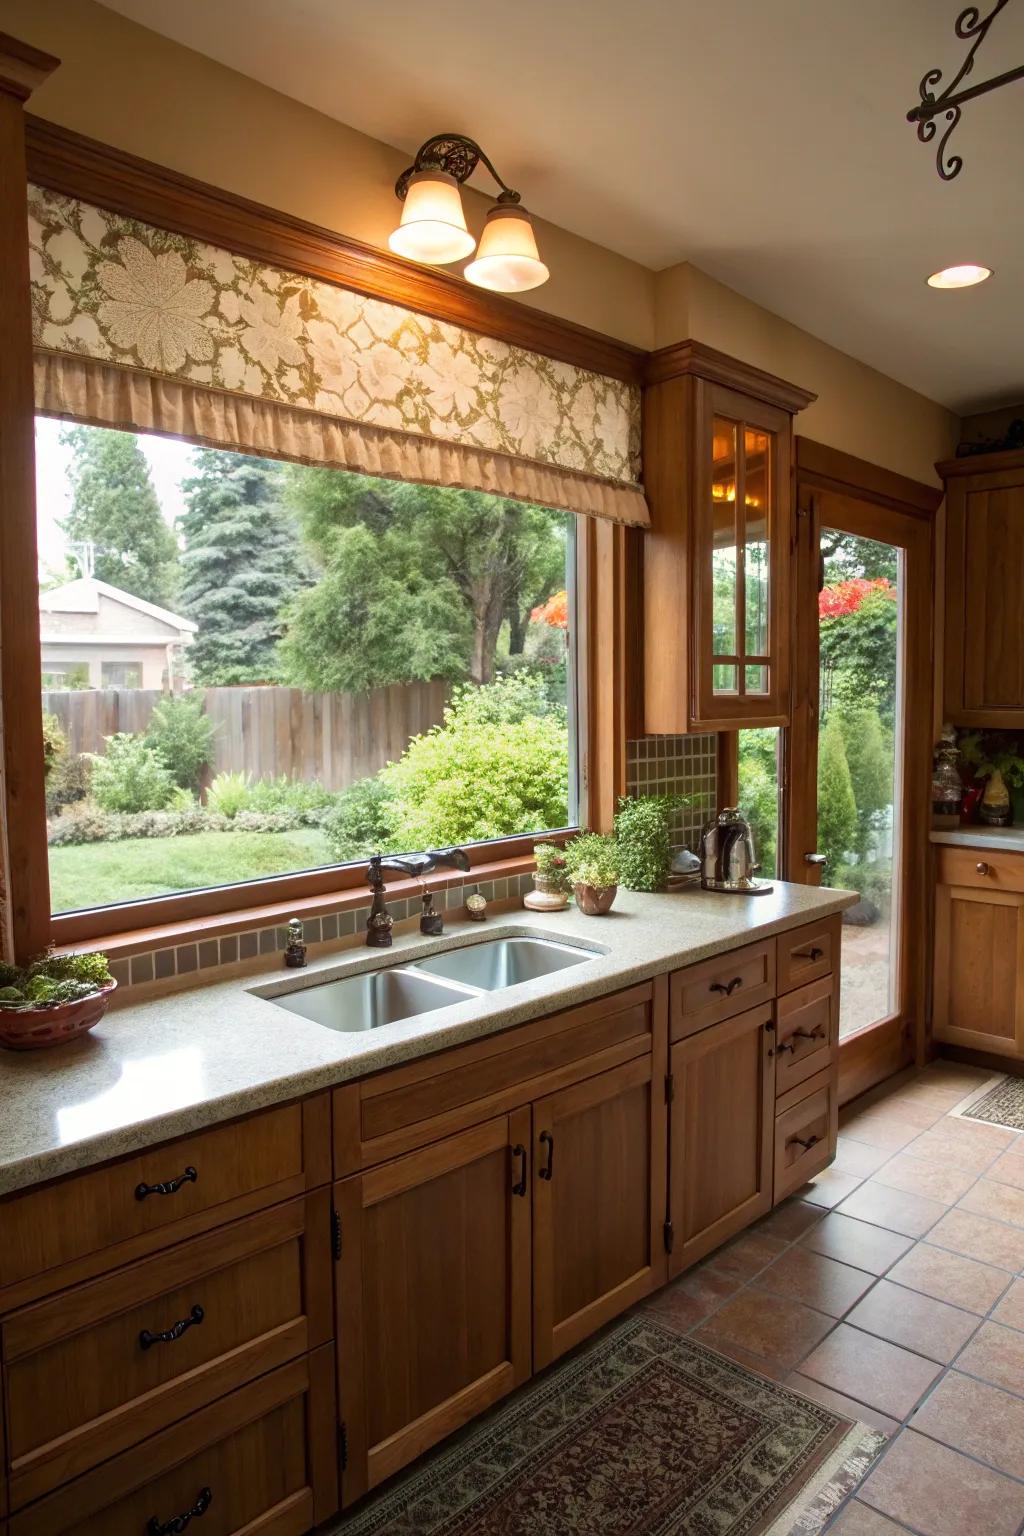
{"x":33,"y":1029}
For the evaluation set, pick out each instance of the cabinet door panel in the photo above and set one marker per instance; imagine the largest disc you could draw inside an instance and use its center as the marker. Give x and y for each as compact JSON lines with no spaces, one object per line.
{"x":720,"y":1133}
{"x":598,"y":1203}
{"x":979,"y":969}
{"x":993,"y":637}
{"x":434,"y":1294}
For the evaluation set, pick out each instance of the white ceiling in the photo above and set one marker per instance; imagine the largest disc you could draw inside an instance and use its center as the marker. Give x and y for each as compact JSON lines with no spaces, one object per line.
{"x":763,"y":140}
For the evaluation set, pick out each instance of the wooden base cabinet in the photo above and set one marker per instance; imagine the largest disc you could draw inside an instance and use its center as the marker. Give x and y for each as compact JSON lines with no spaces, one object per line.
{"x":433,"y":1294}
{"x":720,"y":1133}
{"x":979,"y":963}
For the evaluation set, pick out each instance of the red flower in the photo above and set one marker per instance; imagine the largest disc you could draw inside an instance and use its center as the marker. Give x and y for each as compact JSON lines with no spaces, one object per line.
{"x":845,"y":597}
{"x":554,"y":612}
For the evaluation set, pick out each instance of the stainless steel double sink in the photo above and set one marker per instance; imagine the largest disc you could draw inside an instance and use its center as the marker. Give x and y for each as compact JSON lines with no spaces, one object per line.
{"x":404,"y":990}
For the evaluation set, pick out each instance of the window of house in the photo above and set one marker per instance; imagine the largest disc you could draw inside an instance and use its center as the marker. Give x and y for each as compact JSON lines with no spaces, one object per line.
{"x":759,"y":781}
{"x":358,"y":665}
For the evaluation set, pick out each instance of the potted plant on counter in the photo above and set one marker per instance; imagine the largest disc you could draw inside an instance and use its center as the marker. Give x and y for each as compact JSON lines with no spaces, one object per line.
{"x":53,"y":999}
{"x":551,"y":883}
{"x":642,"y":833}
{"x":593,"y":861}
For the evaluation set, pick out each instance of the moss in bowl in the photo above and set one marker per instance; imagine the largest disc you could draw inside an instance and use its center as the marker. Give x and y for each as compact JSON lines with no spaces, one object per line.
{"x":593,"y":863}
{"x":53,"y":999}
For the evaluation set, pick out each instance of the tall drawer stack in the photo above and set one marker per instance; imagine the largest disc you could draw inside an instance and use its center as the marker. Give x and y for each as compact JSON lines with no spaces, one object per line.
{"x":806,"y":1055}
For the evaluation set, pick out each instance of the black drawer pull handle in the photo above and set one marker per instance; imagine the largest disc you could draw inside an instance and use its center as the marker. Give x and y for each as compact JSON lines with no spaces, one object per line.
{"x":178,"y":1523}
{"x":175,"y":1331}
{"x":170,"y":1187}
{"x":809,"y":1034}
{"x":782,"y":1046}
{"x":727,"y":988}
{"x":799,"y":1142}
{"x":814,"y":953}
{"x":519,"y":1185}
{"x":546,"y":1139}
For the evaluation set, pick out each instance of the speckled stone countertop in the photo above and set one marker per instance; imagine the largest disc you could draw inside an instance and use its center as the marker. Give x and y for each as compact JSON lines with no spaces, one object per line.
{"x":996,"y":839}
{"x":158,"y":1069}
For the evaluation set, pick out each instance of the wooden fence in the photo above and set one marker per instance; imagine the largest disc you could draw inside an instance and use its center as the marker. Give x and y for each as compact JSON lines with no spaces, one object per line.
{"x":336,"y":738}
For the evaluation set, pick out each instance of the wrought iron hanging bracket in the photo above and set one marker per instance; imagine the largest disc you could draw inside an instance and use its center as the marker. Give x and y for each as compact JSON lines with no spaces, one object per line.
{"x":459,"y":157}
{"x":970,"y":27}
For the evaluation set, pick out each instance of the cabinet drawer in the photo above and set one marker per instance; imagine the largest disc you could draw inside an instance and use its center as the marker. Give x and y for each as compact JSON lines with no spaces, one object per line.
{"x":722,"y":987}
{"x":805,"y":1133}
{"x":123,"y":1210}
{"x":806,"y":1033}
{"x":97,"y":1368}
{"x":261,"y":1460}
{"x":807,"y":953}
{"x":981,"y":870}
{"x":471,"y":1083}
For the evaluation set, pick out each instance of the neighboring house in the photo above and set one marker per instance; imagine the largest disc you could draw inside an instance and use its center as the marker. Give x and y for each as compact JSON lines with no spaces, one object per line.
{"x":94,"y":635}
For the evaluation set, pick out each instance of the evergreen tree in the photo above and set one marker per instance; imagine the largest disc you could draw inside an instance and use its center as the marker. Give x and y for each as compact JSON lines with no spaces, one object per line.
{"x":115,"y":511}
{"x":240,"y":568}
{"x":837,"y":809}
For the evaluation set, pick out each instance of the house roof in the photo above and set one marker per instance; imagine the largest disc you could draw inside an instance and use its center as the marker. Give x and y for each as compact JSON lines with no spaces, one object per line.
{"x":83,"y":596}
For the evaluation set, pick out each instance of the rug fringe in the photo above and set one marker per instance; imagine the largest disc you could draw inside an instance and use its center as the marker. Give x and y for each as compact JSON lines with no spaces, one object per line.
{"x":818,"y":1500}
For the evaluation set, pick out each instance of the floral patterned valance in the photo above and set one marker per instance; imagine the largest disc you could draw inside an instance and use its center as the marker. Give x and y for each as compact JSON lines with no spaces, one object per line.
{"x":120,"y":292}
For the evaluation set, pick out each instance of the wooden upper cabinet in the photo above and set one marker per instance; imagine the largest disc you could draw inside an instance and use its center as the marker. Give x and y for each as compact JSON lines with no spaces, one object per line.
{"x":717,"y":467}
{"x":984,"y":644}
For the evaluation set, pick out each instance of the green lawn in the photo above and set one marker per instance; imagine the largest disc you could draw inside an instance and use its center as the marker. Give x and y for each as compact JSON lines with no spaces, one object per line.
{"x":97,"y":874}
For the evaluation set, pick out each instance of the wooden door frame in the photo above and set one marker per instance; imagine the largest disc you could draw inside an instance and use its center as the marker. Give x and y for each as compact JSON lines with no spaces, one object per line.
{"x":863,"y":499}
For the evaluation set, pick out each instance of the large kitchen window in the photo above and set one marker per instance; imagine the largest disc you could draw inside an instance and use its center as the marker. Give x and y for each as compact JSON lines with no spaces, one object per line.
{"x":252,"y":669}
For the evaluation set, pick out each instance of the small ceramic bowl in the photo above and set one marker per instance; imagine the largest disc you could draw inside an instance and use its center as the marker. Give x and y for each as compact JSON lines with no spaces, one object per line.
{"x":33,"y":1029}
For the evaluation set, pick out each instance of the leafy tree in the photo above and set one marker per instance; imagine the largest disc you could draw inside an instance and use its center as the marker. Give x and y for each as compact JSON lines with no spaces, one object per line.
{"x":858,"y":651}
{"x":453,"y":565}
{"x":837,"y":809}
{"x":870,"y":760}
{"x":114,"y":509}
{"x":181,"y":734}
{"x":361,"y":821}
{"x":498,"y":764}
{"x":241,"y":566}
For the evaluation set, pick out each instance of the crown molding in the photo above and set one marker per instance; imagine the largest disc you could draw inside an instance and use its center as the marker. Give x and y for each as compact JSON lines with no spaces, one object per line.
{"x":22,"y":67}
{"x":694,"y":357}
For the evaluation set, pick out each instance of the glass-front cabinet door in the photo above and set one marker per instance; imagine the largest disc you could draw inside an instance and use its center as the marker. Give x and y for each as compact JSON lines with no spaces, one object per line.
{"x":742,"y":548}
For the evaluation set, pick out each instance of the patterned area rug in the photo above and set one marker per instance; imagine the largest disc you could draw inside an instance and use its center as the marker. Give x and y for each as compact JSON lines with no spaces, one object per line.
{"x":1002,"y":1105}
{"x":641,"y":1433}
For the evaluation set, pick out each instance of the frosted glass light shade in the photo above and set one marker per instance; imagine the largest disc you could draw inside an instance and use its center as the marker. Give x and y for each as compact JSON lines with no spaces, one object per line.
{"x":433,"y":225}
{"x":507,"y":259}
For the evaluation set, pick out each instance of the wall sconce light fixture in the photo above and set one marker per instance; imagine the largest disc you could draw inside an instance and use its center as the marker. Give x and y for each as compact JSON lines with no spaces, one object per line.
{"x":433,"y":225}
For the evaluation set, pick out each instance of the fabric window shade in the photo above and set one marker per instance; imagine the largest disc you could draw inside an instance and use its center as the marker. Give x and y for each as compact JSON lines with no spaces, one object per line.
{"x":138,"y":328}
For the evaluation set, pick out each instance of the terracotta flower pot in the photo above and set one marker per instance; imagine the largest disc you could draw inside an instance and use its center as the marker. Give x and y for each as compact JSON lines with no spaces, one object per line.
{"x":595,"y":900}
{"x":32,"y":1029}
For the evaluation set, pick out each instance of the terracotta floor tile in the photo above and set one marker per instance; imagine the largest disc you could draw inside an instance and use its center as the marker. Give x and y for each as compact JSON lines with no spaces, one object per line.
{"x":859,"y":1519}
{"x":928,"y":1327}
{"x":815,"y":1280}
{"x":912,"y":1215}
{"x":860,"y":1413}
{"x":745,"y":1256}
{"x":673,"y":1305}
{"x":911,"y":1109}
{"x":919,"y":1176}
{"x":789,"y":1221}
{"x":950,"y":1277}
{"x":977,"y":1133}
{"x":980,"y":1238}
{"x":1010,"y":1310}
{"x":775,"y":1370}
{"x":996,"y":1354}
{"x":829,"y":1187}
{"x":941,"y":1493}
{"x":981,"y":1420}
{"x":950,"y":1073}
{"x":855,"y":1242}
{"x":953,"y":1151}
{"x":772,"y":1327}
{"x":871,"y":1370}
{"x":858,"y":1158}
{"x":1000,"y":1201}
{"x":880,"y":1130}
{"x":708,"y":1287}
{"x":1008,"y":1169}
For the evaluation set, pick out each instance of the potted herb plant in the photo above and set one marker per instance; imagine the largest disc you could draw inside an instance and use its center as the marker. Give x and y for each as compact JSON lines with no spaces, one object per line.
{"x":551,"y":883}
{"x":593,"y":860}
{"x":642,"y":833}
{"x":53,"y":999}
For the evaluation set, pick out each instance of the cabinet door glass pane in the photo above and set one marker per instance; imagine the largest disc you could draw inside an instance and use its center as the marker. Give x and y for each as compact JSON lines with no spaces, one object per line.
{"x":723,"y":546}
{"x":757,"y":447}
{"x":755,"y":679}
{"x":723,"y":675}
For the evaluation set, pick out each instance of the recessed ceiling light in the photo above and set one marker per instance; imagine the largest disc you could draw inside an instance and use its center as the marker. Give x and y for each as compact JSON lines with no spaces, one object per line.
{"x":959,"y":277}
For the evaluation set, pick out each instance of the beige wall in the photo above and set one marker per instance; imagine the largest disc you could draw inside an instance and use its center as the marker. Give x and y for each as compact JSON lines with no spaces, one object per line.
{"x":127,"y":86}
{"x":858,"y":409}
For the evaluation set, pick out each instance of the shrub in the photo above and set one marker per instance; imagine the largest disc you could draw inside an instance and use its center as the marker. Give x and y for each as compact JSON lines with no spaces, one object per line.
{"x":86,"y":824}
{"x":498,"y":764}
{"x":69,"y":781}
{"x":229,"y":794}
{"x":181,"y":735}
{"x":593,"y":859}
{"x":181,"y":799}
{"x":641,"y":829}
{"x":360,"y":821}
{"x":129,"y":776}
{"x":837,"y":809}
{"x":55,"y":744}
{"x":285,"y":795}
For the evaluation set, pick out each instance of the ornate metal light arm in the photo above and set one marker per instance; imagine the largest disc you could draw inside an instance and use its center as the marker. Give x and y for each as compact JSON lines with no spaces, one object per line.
{"x":459,"y":157}
{"x":969,"y":24}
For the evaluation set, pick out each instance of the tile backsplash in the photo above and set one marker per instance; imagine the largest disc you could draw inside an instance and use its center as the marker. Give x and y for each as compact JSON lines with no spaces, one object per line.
{"x":677,"y":765}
